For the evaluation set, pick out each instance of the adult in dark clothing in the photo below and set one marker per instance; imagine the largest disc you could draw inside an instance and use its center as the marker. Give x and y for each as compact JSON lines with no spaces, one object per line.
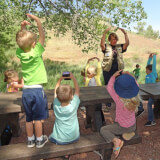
{"x":113,"y":57}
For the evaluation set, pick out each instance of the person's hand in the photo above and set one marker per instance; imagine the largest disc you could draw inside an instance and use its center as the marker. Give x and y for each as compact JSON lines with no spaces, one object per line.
{"x":150,"y":55}
{"x":117,"y":73}
{"x":32,"y":16}
{"x":25,"y":23}
{"x":71,"y":75}
{"x":123,"y":30}
{"x":107,"y":30}
{"x":13,"y":84}
{"x":61,"y":78}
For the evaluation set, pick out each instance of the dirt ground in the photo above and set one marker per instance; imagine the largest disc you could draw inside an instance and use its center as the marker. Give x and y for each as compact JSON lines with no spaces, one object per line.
{"x":149,"y":149}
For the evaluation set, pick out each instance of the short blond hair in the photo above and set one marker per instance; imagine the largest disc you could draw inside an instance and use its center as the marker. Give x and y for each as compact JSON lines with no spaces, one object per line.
{"x":131,"y":103}
{"x":64,"y":93}
{"x":92,"y":69}
{"x":113,"y":35}
{"x":9,"y":75}
{"x":25,"y":39}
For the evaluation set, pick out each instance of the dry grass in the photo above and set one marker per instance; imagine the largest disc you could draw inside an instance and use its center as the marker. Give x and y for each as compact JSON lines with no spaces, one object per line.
{"x":63,"y":49}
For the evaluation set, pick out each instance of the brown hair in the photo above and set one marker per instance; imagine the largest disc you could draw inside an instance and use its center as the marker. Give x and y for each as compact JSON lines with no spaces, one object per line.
{"x":9,"y":75}
{"x":131,"y":103}
{"x":25,"y":39}
{"x":64,"y":93}
{"x":149,"y":67}
{"x":113,"y":35}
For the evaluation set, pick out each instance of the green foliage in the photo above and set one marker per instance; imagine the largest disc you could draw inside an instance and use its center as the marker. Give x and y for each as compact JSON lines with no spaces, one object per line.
{"x":140,"y":28}
{"x":86,"y":19}
{"x":149,"y":32}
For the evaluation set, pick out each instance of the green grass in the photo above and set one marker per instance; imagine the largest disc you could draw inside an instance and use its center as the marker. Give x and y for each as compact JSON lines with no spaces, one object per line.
{"x":55,"y":70}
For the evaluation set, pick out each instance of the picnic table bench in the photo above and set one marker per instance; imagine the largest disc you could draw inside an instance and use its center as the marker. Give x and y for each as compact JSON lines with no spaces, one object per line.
{"x":11,"y":105}
{"x":87,"y":143}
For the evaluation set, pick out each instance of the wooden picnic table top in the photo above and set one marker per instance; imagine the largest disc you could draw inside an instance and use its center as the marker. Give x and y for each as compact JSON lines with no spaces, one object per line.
{"x":153,"y":90}
{"x":12,"y":103}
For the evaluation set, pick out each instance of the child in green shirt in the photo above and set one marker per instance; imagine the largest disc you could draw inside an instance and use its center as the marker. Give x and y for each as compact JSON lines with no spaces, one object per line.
{"x":136,"y":72}
{"x":34,"y":75}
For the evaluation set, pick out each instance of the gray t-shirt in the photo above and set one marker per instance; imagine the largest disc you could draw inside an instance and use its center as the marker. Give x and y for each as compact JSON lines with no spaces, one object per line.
{"x":92,"y":82}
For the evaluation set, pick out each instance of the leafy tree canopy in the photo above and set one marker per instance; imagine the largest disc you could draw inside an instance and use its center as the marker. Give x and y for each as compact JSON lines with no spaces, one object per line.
{"x":86,"y":19}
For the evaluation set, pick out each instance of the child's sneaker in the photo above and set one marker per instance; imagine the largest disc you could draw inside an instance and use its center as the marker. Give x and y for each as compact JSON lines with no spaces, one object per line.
{"x":139,"y":113}
{"x":31,"y":143}
{"x":150,"y":123}
{"x":40,"y":144}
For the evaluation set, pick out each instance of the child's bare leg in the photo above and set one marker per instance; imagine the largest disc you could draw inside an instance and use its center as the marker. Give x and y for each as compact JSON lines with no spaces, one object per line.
{"x":29,"y":129}
{"x":38,"y":128}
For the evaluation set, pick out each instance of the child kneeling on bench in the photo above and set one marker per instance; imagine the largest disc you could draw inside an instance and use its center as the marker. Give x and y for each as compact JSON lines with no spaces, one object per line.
{"x":124,"y":91}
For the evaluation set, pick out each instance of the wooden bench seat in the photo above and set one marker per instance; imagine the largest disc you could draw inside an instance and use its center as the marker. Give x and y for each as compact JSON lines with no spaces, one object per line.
{"x":86,"y":143}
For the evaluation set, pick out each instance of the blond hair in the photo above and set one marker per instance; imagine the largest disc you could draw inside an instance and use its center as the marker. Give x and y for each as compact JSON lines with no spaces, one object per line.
{"x":9,"y":75}
{"x":25,"y":39}
{"x":114,"y":35}
{"x":92,"y":69}
{"x":131,"y":103}
{"x":64,"y":93}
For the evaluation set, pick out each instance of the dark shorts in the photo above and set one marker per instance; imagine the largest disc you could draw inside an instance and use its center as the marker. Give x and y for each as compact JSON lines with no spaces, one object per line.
{"x":35,"y":104}
{"x":62,"y":143}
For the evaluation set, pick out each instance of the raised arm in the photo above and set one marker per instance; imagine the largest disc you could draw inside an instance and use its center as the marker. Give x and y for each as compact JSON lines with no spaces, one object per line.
{"x":40,"y":28}
{"x":110,"y":86}
{"x":57,"y":85}
{"x":150,"y":58}
{"x":104,"y":38}
{"x":75,"y":84}
{"x":126,"y":39}
{"x":19,"y":85}
{"x":154,"y":63}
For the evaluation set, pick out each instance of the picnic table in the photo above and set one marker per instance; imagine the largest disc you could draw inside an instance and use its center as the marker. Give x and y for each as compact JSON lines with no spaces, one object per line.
{"x":11,"y":104}
{"x":153,"y":90}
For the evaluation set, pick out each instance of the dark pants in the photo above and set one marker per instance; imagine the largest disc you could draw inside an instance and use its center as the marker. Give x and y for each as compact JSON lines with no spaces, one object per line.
{"x":95,"y":117}
{"x":107,"y":76}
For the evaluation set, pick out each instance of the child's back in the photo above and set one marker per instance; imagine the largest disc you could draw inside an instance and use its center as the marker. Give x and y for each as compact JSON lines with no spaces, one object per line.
{"x":66,"y":126}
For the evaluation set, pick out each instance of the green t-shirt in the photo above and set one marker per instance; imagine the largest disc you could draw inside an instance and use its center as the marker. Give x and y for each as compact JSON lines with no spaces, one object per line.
{"x":136,"y":71}
{"x":66,"y":126}
{"x":33,"y":68}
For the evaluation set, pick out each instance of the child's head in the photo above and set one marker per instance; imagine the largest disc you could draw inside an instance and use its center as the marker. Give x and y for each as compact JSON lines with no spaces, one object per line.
{"x":26,"y":39}
{"x":113,"y":38}
{"x":64,"y":93}
{"x":149,"y":68}
{"x":11,"y":76}
{"x":127,"y":89}
{"x":91,"y":71}
{"x":137,"y":65}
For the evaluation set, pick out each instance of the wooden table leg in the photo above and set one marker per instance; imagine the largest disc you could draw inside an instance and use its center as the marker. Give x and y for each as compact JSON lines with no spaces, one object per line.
{"x":94,"y":115}
{"x":107,"y":154}
{"x":157,"y":109}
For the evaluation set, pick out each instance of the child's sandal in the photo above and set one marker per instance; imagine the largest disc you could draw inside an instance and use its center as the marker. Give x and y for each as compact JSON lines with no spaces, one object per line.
{"x":117,"y":149}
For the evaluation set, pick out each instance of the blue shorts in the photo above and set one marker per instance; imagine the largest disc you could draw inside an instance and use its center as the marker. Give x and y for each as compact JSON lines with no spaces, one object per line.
{"x":61,"y":143}
{"x":35,"y":104}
